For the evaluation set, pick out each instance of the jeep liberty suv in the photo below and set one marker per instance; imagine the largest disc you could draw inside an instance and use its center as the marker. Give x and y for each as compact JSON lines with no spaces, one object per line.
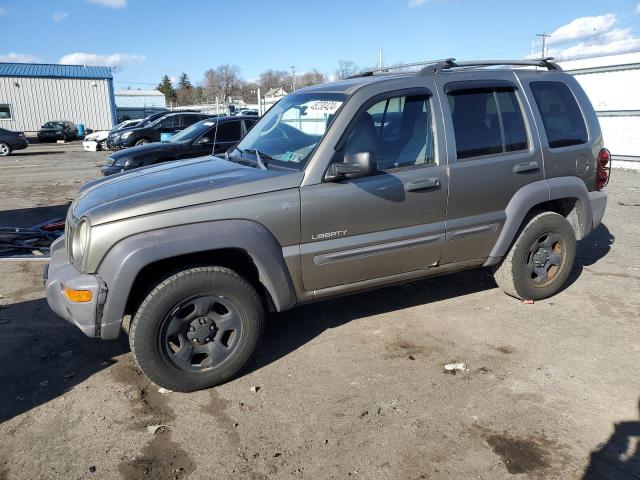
{"x":375,"y":180}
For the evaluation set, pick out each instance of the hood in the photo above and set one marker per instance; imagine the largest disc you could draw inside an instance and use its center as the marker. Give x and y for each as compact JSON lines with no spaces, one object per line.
{"x":150,"y":151}
{"x":97,"y":136}
{"x":174,"y":185}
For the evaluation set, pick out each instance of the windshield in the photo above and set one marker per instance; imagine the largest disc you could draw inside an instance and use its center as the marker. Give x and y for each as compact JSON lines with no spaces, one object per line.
{"x":53,"y":125}
{"x":291,"y":129}
{"x":192,"y":132}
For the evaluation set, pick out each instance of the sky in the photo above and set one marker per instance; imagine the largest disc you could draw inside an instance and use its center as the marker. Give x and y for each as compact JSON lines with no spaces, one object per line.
{"x":146,"y":39}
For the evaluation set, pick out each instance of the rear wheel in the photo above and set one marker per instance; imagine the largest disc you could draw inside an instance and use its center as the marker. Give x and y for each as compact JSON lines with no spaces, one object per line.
{"x":540,"y":260}
{"x":197,"y":329}
{"x":5,"y":150}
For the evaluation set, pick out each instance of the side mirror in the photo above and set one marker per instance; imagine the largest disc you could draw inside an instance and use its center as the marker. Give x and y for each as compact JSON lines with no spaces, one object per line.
{"x":205,"y":140}
{"x":354,"y":165}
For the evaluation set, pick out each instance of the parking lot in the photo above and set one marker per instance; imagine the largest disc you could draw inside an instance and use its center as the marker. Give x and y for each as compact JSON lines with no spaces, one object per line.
{"x":349,"y":388}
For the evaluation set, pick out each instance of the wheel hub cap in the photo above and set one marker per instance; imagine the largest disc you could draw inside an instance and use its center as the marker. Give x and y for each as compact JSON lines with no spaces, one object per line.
{"x":201,"y":330}
{"x":541,"y":257}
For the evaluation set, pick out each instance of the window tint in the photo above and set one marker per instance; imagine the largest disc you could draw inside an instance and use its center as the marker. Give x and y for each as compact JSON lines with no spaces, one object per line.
{"x":190,"y":120}
{"x":561,"y":116}
{"x":399,"y":131}
{"x":170,"y":122}
{"x":487,"y":122}
{"x":515,"y":133}
{"x":228,"y":132}
{"x":249,"y":123}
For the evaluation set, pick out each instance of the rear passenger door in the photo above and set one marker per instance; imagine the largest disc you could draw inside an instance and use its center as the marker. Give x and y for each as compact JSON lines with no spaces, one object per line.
{"x":491,"y":156}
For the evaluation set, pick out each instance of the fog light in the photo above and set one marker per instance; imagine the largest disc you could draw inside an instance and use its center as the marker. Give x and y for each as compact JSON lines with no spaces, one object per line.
{"x":79,"y":296}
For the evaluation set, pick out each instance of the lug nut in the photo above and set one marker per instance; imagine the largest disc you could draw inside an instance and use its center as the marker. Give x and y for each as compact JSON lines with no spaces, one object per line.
{"x":192,"y":329}
{"x":207,"y":339}
{"x":195,"y":340}
{"x":202,"y":321}
{"x":211,"y":327}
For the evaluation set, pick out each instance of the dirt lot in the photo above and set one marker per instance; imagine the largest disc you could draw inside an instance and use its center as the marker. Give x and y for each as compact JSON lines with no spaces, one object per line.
{"x":349,"y":388}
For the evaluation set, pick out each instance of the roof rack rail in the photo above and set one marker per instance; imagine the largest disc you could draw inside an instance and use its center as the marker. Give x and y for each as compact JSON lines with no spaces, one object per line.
{"x":547,"y":63}
{"x":370,"y":73}
{"x":431,"y":67}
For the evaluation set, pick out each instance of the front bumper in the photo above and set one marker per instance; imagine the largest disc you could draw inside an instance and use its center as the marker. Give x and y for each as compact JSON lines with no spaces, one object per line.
{"x":60,"y":273}
{"x":19,"y":144}
{"x":598,"y":201}
{"x":112,"y":169}
{"x":50,"y":137}
{"x":90,"y":146}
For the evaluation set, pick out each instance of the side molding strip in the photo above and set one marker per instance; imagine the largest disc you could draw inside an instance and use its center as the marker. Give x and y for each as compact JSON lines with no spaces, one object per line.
{"x":375,"y":249}
{"x":468,"y":232}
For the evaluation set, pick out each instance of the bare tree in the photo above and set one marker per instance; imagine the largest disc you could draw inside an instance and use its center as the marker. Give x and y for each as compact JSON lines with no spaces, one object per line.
{"x":312,"y":77}
{"x":345,"y":69}
{"x":274,"y":78}
{"x":221,"y":82}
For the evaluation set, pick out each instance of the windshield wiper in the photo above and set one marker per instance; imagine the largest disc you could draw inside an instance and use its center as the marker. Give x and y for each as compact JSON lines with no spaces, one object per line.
{"x":261,"y":157}
{"x":261,"y":163}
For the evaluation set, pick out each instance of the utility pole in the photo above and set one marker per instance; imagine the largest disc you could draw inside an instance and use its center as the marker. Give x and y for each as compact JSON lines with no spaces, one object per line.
{"x":293,"y":78}
{"x":380,"y":65}
{"x":544,"y":43}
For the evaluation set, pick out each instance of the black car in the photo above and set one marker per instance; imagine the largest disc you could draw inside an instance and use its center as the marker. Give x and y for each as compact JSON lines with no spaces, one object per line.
{"x":169,"y":124}
{"x":213,"y":135}
{"x":10,"y":141}
{"x":57,"y":130}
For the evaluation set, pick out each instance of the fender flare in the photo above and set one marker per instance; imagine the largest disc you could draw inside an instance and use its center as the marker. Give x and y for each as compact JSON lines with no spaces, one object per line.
{"x":128,"y":257}
{"x":580,"y":217}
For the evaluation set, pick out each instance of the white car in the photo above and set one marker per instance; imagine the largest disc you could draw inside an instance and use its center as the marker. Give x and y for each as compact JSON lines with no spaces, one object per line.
{"x":98,"y":140}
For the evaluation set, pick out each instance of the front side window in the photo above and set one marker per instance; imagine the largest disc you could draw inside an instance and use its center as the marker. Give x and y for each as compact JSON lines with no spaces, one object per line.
{"x":288,"y":133}
{"x":228,"y":132}
{"x":561,"y":116}
{"x":487,"y":122}
{"x":397,"y":130}
{"x":170,"y":122}
{"x":5,"y":111}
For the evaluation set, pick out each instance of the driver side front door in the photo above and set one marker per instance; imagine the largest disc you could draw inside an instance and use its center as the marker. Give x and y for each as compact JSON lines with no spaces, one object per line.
{"x":389,"y":223}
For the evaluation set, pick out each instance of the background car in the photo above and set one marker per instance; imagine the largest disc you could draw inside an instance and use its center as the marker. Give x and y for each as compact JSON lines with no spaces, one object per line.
{"x":57,"y":130}
{"x":170,"y":123}
{"x":210,"y":136}
{"x":98,"y":140}
{"x":10,"y":141}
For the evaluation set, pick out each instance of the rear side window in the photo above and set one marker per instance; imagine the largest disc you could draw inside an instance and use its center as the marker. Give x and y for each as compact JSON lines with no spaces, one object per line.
{"x":487,"y":122}
{"x":561,"y":116}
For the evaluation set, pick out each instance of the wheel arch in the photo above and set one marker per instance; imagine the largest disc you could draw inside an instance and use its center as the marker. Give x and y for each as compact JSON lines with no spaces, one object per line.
{"x":567,"y":196}
{"x":237,"y":244}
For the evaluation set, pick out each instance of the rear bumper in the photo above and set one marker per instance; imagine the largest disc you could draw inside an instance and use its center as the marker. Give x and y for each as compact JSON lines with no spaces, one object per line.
{"x":86,"y":315}
{"x":598,"y":201}
{"x":19,"y":144}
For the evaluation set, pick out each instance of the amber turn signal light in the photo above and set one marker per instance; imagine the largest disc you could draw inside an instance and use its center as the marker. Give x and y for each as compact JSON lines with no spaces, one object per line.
{"x":78,"y":296}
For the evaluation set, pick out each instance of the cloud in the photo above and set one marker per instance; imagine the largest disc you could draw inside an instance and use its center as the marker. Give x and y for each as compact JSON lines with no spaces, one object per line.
{"x":417,"y":3}
{"x":60,"y":16}
{"x":114,"y":60}
{"x":582,"y":28}
{"x":19,"y":58}
{"x":591,"y":37}
{"x":109,"y":3}
{"x":3,"y":11}
{"x":638,"y":9}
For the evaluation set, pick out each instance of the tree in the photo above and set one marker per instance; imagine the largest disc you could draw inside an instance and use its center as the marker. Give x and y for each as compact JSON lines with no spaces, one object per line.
{"x":166,"y":87}
{"x":346,"y":68}
{"x":184,"y":92}
{"x":250,"y":92}
{"x":273,"y":79}
{"x":312,"y":77}
{"x":184,"y":82}
{"x":222,"y":82}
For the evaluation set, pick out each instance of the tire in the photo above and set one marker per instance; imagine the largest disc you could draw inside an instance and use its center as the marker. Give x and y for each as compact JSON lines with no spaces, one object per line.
{"x":168,"y":337}
{"x":142,"y":141}
{"x":540,"y":260}
{"x":5,"y":150}
{"x":103,"y":145}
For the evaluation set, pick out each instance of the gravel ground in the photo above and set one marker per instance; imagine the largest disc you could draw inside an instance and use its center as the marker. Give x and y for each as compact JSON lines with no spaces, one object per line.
{"x":348,"y":388}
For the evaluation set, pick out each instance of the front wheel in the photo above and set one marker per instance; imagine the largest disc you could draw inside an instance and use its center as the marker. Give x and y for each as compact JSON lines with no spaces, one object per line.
{"x":142,"y":141}
{"x":540,"y":260}
{"x":197,"y":329}
{"x":102,"y":145}
{"x":5,"y":150}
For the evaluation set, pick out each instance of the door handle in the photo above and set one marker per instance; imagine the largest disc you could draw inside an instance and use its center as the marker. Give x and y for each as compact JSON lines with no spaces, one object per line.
{"x":423,"y":184}
{"x":526,"y":167}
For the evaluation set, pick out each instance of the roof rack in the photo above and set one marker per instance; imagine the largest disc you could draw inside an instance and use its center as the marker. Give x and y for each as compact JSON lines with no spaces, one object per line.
{"x":547,"y":63}
{"x":431,"y":67}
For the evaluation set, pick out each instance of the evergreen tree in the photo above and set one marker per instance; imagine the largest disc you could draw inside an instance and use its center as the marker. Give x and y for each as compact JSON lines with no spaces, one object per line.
{"x":166,"y":87}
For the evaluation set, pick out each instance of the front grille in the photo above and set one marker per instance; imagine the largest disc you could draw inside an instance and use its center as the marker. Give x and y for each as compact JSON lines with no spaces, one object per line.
{"x":68,"y":235}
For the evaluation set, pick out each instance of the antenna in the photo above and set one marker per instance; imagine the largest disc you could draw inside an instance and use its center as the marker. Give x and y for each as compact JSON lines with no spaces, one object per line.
{"x":215,"y":137}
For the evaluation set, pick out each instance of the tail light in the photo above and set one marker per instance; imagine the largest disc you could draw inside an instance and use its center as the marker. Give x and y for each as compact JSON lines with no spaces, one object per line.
{"x":21,"y":134}
{"x":604,"y":168}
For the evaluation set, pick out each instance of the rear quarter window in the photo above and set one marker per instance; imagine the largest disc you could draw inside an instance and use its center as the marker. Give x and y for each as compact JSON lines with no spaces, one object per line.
{"x":561,"y":116}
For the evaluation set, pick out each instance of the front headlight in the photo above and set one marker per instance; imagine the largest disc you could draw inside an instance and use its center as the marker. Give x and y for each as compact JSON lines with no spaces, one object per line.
{"x":126,"y":135}
{"x":79,"y":242}
{"x":123,"y":162}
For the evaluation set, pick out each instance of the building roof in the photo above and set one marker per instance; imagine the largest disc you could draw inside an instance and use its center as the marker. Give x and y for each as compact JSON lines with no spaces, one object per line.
{"x":139,"y":93}
{"x":276,"y":91}
{"x":53,"y":71}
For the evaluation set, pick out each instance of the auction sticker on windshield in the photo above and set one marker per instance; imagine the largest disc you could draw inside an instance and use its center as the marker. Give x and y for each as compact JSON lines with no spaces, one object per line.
{"x":325,"y":106}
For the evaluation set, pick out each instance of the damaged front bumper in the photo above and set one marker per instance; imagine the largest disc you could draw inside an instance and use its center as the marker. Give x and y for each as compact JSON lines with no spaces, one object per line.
{"x":87,"y":315}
